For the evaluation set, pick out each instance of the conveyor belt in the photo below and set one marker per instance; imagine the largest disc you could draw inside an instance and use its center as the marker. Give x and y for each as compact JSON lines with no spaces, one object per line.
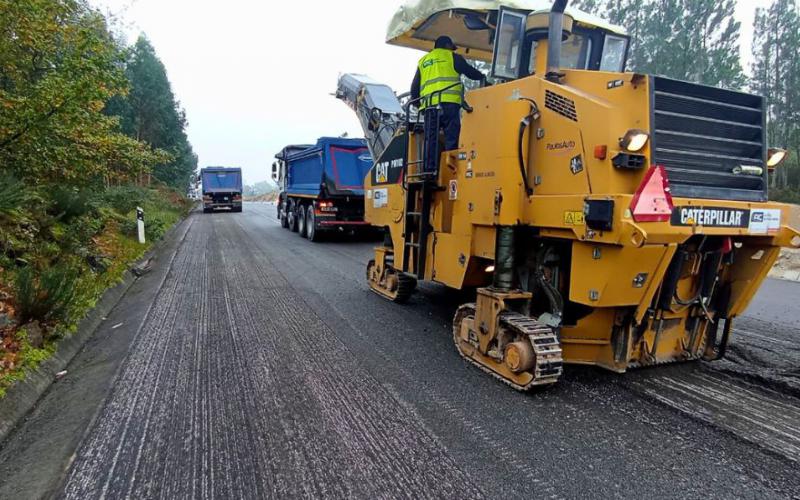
{"x":378,"y":109}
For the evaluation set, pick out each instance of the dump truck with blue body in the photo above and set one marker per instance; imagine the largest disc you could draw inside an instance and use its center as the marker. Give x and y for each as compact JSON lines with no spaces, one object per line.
{"x":222,"y":188}
{"x":322,"y":186}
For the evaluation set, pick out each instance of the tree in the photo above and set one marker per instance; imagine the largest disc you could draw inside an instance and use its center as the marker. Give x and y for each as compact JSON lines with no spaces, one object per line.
{"x":695,"y":40}
{"x":150,"y":113}
{"x":58,"y":67}
{"x":713,"y":43}
{"x":776,"y":76}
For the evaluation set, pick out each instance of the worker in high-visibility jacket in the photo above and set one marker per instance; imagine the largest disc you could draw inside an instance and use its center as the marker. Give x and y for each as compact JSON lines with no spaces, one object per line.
{"x":437,"y":85}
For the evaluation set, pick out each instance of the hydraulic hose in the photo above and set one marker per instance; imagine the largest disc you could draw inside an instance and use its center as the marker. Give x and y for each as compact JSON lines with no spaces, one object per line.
{"x":552,"y":293}
{"x":532,"y":116}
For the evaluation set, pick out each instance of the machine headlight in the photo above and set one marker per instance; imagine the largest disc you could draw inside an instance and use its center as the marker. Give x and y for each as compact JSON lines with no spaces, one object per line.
{"x":775,"y":156}
{"x":634,"y":140}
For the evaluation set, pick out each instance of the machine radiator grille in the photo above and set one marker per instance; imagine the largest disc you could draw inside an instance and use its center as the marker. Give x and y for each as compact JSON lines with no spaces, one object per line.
{"x":704,"y":135}
{"x":561,"y":105}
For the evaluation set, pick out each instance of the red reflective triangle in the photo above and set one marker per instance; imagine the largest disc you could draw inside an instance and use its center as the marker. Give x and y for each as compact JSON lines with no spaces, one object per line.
{"x":652,"y":202}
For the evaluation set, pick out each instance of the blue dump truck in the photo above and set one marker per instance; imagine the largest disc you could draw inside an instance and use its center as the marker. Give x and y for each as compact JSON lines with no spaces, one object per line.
{"x":222,"y":188}
{"x":322,"y":186}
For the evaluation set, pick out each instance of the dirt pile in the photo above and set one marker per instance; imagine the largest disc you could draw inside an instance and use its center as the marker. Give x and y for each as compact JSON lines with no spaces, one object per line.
{"x":263,"y":197}
{"x":788,"y":265}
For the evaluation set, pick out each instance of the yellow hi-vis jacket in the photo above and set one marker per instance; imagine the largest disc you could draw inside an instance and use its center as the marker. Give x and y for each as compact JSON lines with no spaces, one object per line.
{"x":437,"y":72}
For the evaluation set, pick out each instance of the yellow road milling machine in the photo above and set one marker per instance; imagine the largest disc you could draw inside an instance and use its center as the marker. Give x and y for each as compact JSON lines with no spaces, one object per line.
{"x":605,"y":218}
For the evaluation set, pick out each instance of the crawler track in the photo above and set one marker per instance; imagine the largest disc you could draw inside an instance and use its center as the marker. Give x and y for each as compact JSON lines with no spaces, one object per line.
{"x":544,"y":342}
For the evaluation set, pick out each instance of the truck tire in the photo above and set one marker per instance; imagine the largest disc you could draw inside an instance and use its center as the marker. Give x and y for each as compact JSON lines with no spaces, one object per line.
{"x":292,"y":215}
{"x":284,"y":220}
{"x":311,"y":225}
{"x":300,"y":215}
{"x":282,"y":215}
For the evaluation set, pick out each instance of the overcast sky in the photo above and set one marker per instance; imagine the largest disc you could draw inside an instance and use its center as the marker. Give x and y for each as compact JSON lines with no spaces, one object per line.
{"x":256,"y":75}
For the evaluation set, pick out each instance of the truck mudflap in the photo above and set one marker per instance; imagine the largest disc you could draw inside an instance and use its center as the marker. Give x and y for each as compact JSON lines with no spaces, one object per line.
{"x":339,"y":214}
{"x":235,"y":204}
{"x":232,"y":200}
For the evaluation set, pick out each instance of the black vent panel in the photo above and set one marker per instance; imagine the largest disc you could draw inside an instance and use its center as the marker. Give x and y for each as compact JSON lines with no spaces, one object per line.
{"x":561,"y":105}
{"x":704,"y":135}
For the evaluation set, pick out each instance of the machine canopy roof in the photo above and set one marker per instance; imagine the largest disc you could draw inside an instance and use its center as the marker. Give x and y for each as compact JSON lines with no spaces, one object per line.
{"x":418,"y":23}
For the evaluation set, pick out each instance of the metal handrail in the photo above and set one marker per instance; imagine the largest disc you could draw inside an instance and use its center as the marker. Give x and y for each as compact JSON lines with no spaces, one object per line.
{"x":419,"y":99}
{"x":407,"y":109}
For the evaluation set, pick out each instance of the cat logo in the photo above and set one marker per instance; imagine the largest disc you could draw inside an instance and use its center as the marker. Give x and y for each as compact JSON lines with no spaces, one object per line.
{"x":382,"y":172}
{"x":574,"y":218}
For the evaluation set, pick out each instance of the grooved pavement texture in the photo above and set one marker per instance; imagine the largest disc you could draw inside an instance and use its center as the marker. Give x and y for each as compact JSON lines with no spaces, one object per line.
{"x":230,"y":393}
{"x":264,"y":368}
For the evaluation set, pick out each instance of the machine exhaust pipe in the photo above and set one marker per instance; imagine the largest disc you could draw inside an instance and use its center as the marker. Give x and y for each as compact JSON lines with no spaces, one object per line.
{"x":554,"y":34}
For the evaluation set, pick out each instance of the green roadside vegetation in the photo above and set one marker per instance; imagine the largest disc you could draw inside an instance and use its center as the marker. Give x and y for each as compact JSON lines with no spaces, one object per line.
{"x":89,"y":130}
{"x":63,"y":248}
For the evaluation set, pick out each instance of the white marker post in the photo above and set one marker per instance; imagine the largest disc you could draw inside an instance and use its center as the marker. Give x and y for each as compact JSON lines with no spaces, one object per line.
{"x":140,"y":223}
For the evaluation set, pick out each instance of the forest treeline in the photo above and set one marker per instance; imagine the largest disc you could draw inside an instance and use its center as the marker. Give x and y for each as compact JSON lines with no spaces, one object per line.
{"x":77,"y":106}
{"x":89,"y":131}
{"x":700,"y":41}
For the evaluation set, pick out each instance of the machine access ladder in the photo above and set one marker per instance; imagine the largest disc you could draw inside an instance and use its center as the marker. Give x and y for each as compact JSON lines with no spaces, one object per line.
{"x":421,"y":181}
{"x":385,"y":119}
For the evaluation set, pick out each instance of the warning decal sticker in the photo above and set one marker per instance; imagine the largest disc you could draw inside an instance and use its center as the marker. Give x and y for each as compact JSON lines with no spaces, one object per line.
{"x":452,"y":192}
{"x":576,"y":165}
{"x":380,"y":198}
{"x":574,"y":218}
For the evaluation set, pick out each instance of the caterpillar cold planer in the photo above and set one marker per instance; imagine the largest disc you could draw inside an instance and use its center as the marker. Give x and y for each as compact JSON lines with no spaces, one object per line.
{"x":605,"y":218}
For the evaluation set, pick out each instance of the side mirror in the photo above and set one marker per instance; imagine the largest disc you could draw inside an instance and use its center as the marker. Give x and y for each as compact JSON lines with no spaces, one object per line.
{"x":274,"y":171}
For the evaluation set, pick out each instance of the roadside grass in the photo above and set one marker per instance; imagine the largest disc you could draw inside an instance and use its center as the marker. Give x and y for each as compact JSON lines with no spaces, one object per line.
{"x":60,"y":250}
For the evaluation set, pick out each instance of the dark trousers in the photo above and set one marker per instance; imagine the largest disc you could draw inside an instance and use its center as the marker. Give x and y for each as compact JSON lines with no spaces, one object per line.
{"x":448,"y":120}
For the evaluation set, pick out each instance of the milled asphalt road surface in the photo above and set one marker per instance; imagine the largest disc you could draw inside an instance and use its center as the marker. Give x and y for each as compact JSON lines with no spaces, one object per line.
{"x":255,"y":364}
